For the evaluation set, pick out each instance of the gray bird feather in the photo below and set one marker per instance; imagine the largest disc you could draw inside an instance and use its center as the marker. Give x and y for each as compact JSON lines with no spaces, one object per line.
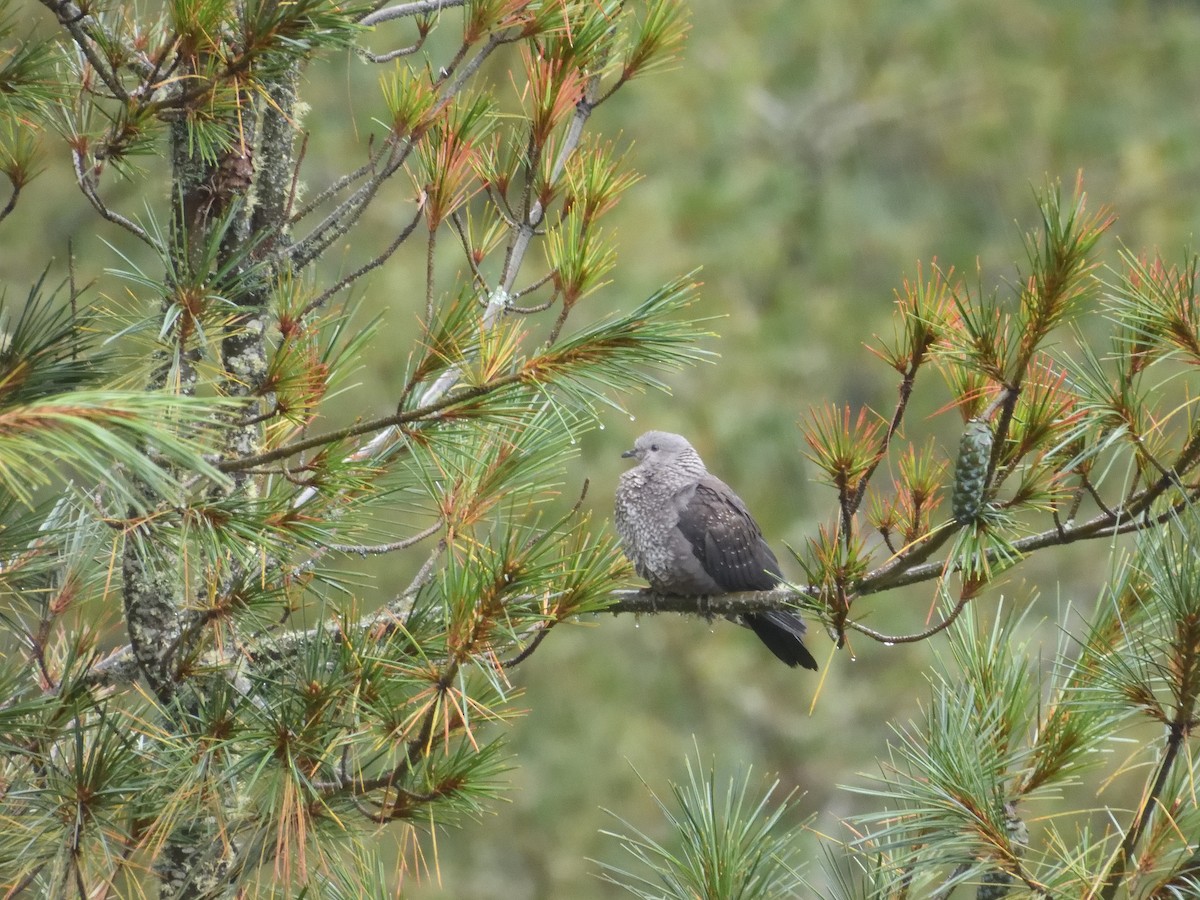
{"x":687,"y":533}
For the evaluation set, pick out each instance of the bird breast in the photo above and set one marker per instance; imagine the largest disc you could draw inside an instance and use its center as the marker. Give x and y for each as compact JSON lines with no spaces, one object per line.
{"x":647,"y":513}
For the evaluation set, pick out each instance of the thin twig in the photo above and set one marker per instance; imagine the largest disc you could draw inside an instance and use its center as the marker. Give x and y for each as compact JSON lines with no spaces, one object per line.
{"x":346,"y":214}
{"x":89,"y":191}
{"x":430,"y":246}
{"x":455,"y":61}
{"x":846,"y":514}
{"x":503,"y":209}
{"x":12,"y":200}
{"x":1095,"y":495}
{"x":1007,"y":401}
{"x":402,"y":602}
{"x":366,"y":267}
{"x":275,"y":410}
{"x":559,"y":322}
{"x":295,"y":185}
{"x":398,"y":53}
{"x":333,"y":187}
{"x":457,"y":222}
{"x":530,"y":310}
{"x":905,"y":392}
{"x":1058,"y":525}
{"x":912,"y":638}
{"x":904,"y":561}
{"x":887,"y":540}
{"x":532,"y":646}
{"x":380,"y":549}
{"x":1187,"y":457}
{"x":517,"y":295}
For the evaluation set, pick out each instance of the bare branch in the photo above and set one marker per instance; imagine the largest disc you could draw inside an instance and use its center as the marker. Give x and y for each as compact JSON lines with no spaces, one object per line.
{"x":407,"y":10}
{"x":517,"y":295}
{"x":350,"y":210}
{"x":366,"y":267}
{"x":380,"y":549}
{"x":530,"y":648}
{"x":648,"y":602}
{"x":12,"y":201}
{"x":911,"y":638}
{"x":456,"y":220}
{"x":339,"y":184}
{"x":398,"y":53}
{"x":89,"y":191}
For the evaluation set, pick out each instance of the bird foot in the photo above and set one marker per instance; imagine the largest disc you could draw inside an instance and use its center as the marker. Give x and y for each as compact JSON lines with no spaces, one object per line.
{"x":652,"y":596}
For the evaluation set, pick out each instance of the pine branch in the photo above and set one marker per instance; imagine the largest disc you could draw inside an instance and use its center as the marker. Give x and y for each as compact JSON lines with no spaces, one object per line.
{"x":523,"y":233}
{"x":905,"y":393}
{"x":341,"y":219}
{"x":1150,"y":802}
{"x":119,"y":668}
{"x":77,"y":24}
{"x":642,"y":339}
{"x":383,"y":422}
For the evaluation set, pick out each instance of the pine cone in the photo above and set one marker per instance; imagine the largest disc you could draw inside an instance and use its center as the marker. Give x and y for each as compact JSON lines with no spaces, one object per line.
{"x":971,"y":471}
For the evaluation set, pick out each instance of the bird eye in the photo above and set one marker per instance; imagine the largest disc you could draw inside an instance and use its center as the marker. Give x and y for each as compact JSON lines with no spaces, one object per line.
{"x":654,"y":448}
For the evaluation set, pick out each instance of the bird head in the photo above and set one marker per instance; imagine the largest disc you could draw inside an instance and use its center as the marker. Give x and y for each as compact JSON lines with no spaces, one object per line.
{"x":661,"y":449}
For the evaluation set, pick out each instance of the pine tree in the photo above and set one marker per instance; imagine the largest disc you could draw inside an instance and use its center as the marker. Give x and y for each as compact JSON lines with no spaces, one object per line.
{"x":168,"y":469}
{"x":169,"y":473}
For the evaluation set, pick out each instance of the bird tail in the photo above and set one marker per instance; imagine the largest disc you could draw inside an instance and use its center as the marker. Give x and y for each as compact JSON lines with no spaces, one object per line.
{"x":783,"y":632}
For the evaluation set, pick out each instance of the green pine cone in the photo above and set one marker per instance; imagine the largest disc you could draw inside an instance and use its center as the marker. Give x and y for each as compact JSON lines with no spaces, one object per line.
{"x":994,"y":886}
{"x":970,"y":473}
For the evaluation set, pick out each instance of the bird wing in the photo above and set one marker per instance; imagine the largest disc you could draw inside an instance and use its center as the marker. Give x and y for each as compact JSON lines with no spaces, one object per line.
{"x":726,"y":540}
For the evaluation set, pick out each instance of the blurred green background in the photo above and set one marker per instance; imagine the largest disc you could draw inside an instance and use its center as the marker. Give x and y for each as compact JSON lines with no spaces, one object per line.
{"x":806,"y":155}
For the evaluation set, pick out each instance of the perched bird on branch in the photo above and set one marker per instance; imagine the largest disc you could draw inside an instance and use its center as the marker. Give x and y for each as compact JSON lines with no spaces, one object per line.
{"x":687,"y":533}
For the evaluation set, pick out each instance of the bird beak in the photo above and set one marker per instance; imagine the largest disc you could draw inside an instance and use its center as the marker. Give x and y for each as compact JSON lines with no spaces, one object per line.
{"x":628,"y":454}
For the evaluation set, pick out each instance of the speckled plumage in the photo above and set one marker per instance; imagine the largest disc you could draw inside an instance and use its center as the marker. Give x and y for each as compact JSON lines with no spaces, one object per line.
{"x":686,"y":532}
